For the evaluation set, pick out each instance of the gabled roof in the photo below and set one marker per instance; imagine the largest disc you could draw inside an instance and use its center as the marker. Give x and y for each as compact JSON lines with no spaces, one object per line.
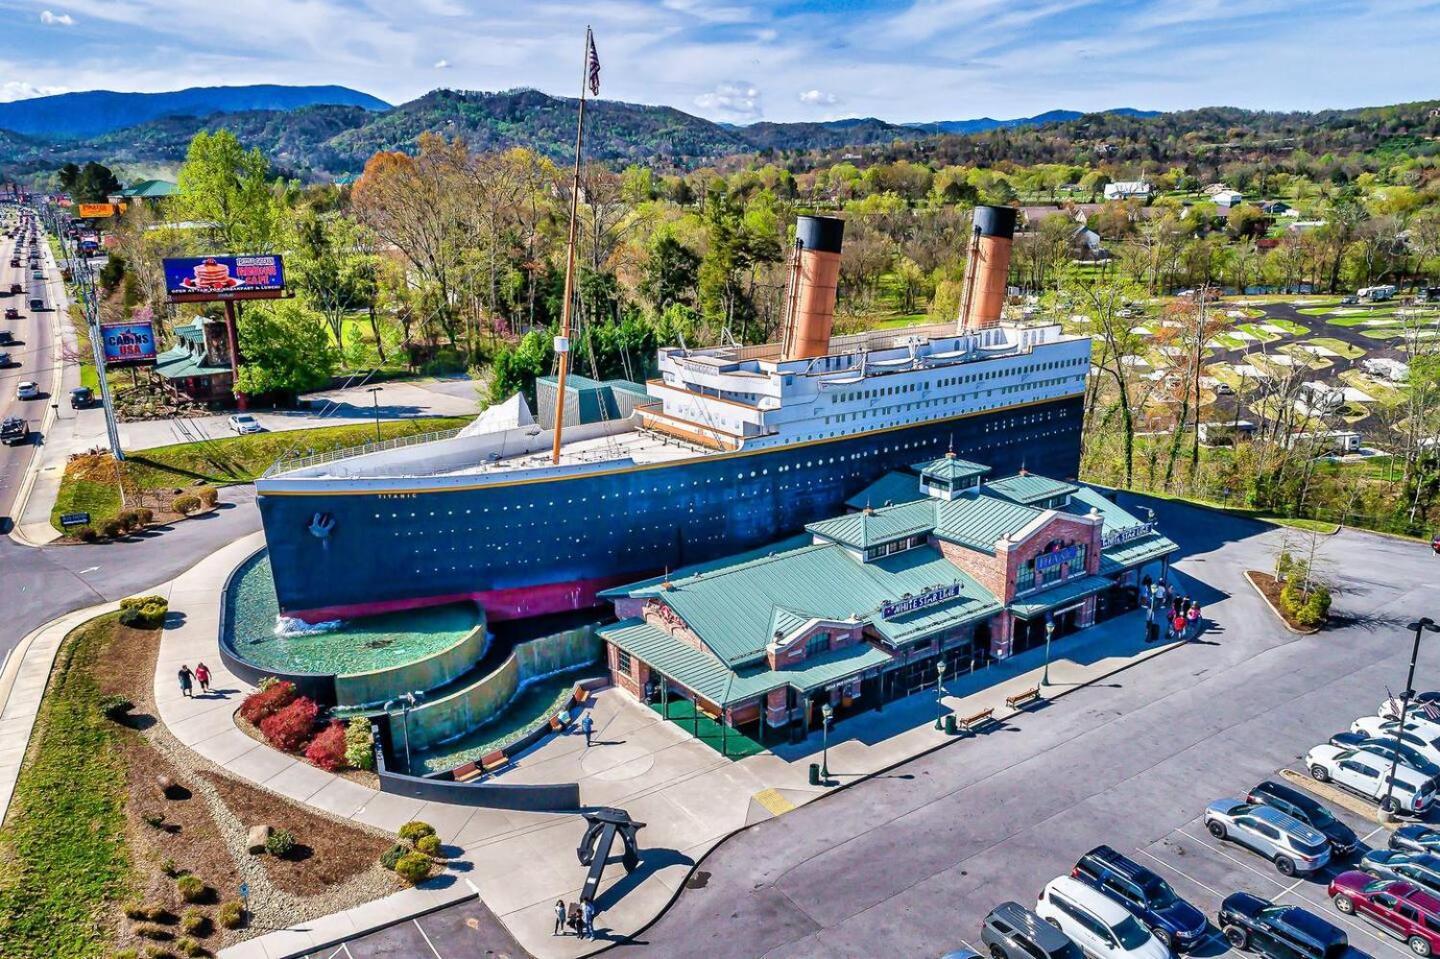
{"x":978,"y":521}
{"x":950,"y":467}
{"x":146,"y":189}
{"x":874,"y":526}
{"x":1027,"y":488}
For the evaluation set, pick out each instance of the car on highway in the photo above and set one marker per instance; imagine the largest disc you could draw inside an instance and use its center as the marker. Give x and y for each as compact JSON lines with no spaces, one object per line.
{"x":1384,"y":747}
{"x":6,"y":361}
{"x":1366,"y":772}
{"x":1011,"y":931}
{"x":1421,"y":868}
{"x":81,"y":397}
{"x":1402,"y":909}
{"x":1286,"y":841}
{"x":243,"y":423}
{"x":11,"y":313}
{"x":1279,"y":932}
{"x":27,"y":390}
{"x":1415,"y":837}
{"x":7,"y":338}
{"x":1308,"y":810}
{"x":1096,"y":923}
{"x":1142,"y":893}
{"x":14,"y":430}
{"x":16,"y":288}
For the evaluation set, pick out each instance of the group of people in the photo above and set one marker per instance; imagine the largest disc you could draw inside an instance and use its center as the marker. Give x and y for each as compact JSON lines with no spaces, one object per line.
{"x":1181,"y":614}
{"x":579,"y":918}
{"x":188,"y":679}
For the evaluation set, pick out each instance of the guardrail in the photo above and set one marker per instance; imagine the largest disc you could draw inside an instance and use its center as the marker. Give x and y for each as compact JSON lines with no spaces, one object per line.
{"x":284,"y":465}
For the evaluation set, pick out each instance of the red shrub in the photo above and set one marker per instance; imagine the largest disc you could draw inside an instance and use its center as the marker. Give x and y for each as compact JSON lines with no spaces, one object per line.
{"x":290,"y":728}
{"x":267,"y":702}
{"x":327,"y":750}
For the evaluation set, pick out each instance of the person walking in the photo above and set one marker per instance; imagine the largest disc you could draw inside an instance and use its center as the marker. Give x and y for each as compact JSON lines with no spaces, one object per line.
{"x":1177,"y":626}
{"x":559,"y":918}
{"x":574,"y":919}
{"x":587,"y":726}
{"x":202,"y":674}
{"x":1192,"y":619}
{"x":186,"y":678}
{"x":587,"y":918}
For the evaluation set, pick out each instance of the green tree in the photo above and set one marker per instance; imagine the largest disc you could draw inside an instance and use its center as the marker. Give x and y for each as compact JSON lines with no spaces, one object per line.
{"x":514,"y":368}
{"x":329,"y":264}
{"x":286,"y":350}
{"x":670,"y":273}
{"x":93,"y":183}
{"x":224,"y":185}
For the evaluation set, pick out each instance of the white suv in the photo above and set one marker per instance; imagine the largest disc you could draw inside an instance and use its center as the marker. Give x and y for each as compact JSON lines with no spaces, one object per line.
{"x":1368,"y":774}
{"x":1097,"y":924}
{"x":1420,"y":734}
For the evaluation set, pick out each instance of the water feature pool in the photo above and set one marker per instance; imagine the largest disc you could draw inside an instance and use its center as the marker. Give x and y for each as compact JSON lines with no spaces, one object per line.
{"x":352,"y":646}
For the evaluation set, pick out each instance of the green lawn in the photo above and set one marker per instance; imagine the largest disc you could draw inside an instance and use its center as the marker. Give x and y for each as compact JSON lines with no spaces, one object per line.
{"x":63,"y":862}
{"x":1289,"y":326}
{"x":1255,"y":330}
{"x":727,"y":742}
{"x":1337,"y":346}
{"x":90,"y":483}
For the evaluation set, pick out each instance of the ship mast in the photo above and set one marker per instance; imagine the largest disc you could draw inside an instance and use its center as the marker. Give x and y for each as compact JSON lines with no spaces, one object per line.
{"x":589,"y":78}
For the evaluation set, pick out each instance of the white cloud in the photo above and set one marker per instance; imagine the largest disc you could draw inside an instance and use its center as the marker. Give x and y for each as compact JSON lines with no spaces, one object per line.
{"x":819,"y":98}
{"x":732,"y":100}
{"x":442,"y":64}
{"x":52,"y":19}
{"x":20,"y":90}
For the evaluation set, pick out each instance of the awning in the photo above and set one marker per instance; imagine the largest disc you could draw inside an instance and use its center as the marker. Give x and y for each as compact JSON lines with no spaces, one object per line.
{"x":1062,"y":595}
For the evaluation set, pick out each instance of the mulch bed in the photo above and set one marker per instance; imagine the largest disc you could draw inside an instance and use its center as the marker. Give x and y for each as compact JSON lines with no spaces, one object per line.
{"x":1270,"y":587}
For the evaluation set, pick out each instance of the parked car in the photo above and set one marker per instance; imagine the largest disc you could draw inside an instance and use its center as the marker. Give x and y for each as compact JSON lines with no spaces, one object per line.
{"x":1279,"y":932}
{"x":1286,"y":841}
{"x":1367,"y":773}
{"x":1224,"y":389}
{"x":1298,"y":805}
{"x":1415,"y":838}
{"x":1419,"y":734}
{"x":1142,"y":893}
{"x":27,"y":390}
{"x":1402,"y":909}
{"x":81,"y":397}
{"x":1421,"y":868}
{"x":1350,"y":300}
{"x":14,"y":430}
{"x":6,"y":361}
{"x":961,"y":954}
{"x":245,"y":423}
{"x":7,"y":338}
{"x":1101,"y":927}
{"x":1011,"y":931}
{"x":1384,"y":747}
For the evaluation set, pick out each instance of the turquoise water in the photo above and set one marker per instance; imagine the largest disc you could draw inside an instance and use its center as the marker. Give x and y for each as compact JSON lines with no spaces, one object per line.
{"x":352,"y":646}
{"x":531,"y":707}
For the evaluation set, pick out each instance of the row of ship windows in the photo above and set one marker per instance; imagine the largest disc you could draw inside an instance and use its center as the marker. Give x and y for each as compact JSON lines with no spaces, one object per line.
{"x":888,"y":411}
{"x":853,"y":395}
{"x":842,"y":417}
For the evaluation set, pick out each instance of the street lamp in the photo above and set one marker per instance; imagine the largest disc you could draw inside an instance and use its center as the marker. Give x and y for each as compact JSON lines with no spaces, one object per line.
{"x":939,"y":692}
{"x":827,"y":714}
{"x":1387,"y":807}
{"x":1049,"y":633}
{"x":374,"y":392}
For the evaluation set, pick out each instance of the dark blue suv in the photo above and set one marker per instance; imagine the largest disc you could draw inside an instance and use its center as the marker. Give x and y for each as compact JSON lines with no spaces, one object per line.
{"x":1175,"y":922}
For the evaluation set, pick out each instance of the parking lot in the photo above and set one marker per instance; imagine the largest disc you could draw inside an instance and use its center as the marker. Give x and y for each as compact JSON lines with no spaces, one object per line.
{"x":466,"y":930}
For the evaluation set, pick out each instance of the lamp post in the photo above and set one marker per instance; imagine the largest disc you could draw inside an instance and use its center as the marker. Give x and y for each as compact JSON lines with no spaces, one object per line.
{"x":939,"y":692}
{"x":406,"y":702}
{"x":374,"y":392}
{"x":1049,"y":633}
{"x":827,"y":715}
{"x":1424,"y":623}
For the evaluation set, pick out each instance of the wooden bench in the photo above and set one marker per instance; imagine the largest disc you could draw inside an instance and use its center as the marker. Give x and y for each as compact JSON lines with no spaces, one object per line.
{"x":1023,"y":698}
{"x":581,"y":695}
{"x":468,"y":772}
{"x":968,"y":723}
{"x":494,"y":762}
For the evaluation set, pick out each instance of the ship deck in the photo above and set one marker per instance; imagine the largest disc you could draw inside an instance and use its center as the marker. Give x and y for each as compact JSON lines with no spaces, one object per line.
{"x":641,"y":446}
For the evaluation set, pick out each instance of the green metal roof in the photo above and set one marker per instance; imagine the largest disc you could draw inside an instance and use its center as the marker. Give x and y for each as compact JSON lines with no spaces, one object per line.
{"x":178,"y":363}
{"x":732,"y":609}
{"x":887,"y":490}
{"x":1117,"y":519}
{"x":1119,"y":558}
{"x":649,"y":587}
{"x":950,"y":467}
{"x":1028,"y":488}
{"x":979,"y":520}
{"x":1066,"y":592}
{"x":869,"y":527}
{"x":148,"y":189}
{"x":714,"y":681}
{"x":575,"y":383}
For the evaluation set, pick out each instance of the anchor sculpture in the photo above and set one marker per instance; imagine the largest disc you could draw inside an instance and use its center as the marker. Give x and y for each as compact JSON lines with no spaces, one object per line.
{"x":594,"y":849}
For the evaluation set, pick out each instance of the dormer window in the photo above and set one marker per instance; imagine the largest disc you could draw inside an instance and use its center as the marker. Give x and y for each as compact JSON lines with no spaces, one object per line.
{"x":894,"y":546}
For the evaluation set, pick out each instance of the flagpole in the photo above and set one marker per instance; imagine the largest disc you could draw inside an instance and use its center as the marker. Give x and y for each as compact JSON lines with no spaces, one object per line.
{"x":562,"y":342}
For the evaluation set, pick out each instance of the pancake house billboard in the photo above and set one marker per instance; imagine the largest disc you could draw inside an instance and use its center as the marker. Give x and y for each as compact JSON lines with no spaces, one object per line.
{"x":205,"y":278}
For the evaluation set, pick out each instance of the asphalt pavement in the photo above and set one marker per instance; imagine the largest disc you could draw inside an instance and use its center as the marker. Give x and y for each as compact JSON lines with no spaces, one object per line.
{"x":32,"y":357}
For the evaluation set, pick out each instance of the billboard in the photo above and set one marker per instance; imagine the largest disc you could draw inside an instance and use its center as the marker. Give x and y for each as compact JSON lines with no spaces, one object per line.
{"x":199,"y":278}
{"x":128,"y":342}
{"x":89,"y":210}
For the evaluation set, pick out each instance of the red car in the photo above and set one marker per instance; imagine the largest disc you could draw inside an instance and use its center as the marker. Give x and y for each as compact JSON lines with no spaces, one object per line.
{"x":1404,"y":910}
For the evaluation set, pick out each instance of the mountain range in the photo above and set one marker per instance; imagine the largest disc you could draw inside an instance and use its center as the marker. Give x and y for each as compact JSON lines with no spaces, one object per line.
{"x":322,"y":132}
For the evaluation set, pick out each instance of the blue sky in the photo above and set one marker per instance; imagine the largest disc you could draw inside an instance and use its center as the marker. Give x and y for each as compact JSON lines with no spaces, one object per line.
{"x":740,"y":61}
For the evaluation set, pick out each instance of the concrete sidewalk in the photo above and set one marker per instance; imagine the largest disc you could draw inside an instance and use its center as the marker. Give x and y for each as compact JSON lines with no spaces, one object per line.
{"x":520,"y":863}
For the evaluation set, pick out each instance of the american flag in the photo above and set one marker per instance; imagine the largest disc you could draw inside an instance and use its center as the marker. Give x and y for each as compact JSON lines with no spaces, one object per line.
{"x":592,"y":60}
{"x":1431,"y":709}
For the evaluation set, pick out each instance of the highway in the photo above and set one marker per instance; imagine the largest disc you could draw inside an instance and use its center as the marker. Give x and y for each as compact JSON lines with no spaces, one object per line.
{"x":32,"y":357}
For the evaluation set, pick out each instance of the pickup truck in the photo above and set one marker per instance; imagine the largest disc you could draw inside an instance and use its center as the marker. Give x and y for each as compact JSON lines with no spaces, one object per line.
{"x":14,"y":431}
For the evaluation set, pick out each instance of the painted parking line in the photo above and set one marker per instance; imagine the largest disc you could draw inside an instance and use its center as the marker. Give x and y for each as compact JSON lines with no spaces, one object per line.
{"x":1180,"y":872}
{"x":1336,"y":914}
{"x":1237,"y":861}
{"x":427,"y":940}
